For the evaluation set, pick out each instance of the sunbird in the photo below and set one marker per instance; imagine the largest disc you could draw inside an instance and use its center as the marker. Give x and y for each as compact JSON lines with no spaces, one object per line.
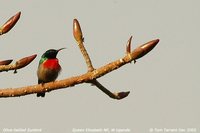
{"x":48,"y":68}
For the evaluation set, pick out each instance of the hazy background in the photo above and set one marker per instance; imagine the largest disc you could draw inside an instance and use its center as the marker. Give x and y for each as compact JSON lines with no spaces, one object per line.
{"x":164,"y":84}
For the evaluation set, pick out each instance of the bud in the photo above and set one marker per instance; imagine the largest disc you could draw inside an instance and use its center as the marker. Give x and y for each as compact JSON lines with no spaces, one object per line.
{"x":77,"y":31}
{"x":5,"y":62}
{"x":144,"y":49}
{"x":10,"y":23}
{"x":25,"y":61}
{"x":121,"y":95}
{"x":128,"y":46}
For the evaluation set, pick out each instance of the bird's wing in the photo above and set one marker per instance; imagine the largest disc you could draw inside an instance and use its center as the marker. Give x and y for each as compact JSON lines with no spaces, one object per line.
{"x":42,"y":60}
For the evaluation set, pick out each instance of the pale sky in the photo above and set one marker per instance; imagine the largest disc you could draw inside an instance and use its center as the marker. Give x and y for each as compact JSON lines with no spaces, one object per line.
{"x":164,"y":84}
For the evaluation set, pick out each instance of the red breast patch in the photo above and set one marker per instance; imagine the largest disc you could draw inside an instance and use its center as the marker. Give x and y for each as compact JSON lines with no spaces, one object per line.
{"x":52,"y":64}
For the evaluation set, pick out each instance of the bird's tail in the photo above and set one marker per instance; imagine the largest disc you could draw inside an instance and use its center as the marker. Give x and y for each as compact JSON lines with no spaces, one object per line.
{"x":41,"y":94}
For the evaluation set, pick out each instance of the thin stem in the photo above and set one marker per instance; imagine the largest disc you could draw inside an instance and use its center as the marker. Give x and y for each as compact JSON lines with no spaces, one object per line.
{"x":86,"y":57}
{"x":118,"y":95}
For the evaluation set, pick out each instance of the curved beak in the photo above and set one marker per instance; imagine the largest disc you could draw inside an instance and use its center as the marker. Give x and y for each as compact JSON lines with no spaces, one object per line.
{"x":60,"y":49}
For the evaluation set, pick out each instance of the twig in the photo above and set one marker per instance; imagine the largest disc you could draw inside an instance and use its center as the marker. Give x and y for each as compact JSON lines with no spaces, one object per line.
{"x":18,"y":64}
{"x":79,"y":38}
{"x":117,"y":95}
{"x":85,"y":78}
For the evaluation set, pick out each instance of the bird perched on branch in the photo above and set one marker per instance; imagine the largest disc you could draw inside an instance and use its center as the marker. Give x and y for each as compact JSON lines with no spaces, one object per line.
{"x":49,"y":68}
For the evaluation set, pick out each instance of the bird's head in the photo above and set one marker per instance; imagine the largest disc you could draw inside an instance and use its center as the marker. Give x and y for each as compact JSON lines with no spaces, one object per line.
{"x":51,"y":53}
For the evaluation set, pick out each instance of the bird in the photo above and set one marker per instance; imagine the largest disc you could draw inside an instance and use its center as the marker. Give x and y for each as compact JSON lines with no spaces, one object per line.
{"x":48,"y":68}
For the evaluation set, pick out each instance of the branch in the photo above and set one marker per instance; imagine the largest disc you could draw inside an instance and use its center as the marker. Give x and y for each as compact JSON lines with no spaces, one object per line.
{"x":117,"y":95}
{"x":79,"y":38}
{"x":88,"y":77}
{"x":6,"y":66}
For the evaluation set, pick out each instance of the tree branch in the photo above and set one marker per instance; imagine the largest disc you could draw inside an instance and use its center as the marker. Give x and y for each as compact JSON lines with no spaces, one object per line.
{"x":88,"y":77}
{"x":6,"y":66}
